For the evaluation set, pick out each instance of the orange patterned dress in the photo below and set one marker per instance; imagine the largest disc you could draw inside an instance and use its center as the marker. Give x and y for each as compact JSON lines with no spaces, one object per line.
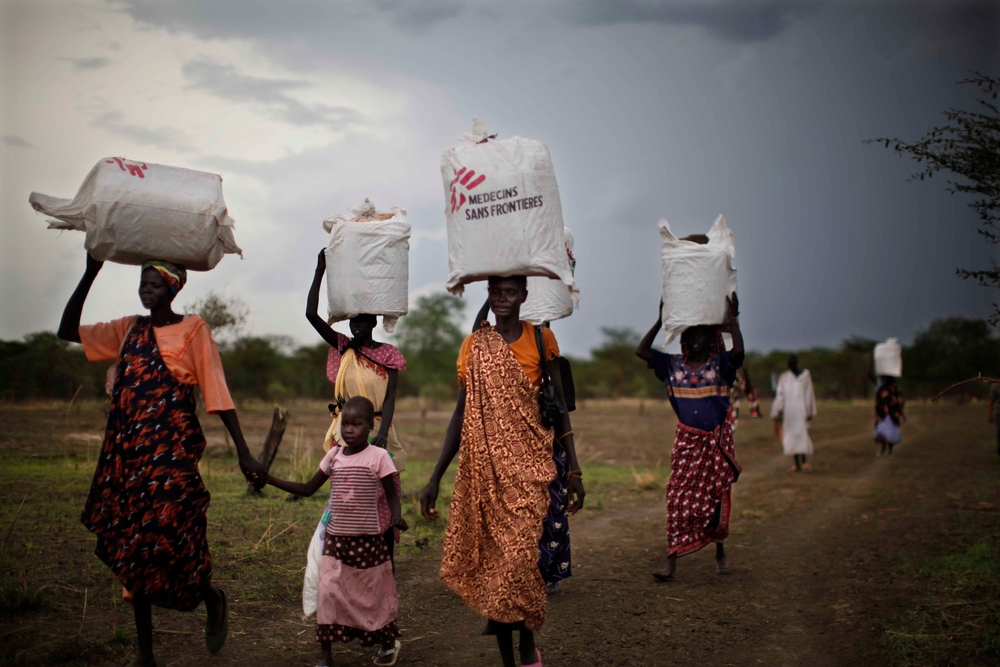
{"x":501,"y":490}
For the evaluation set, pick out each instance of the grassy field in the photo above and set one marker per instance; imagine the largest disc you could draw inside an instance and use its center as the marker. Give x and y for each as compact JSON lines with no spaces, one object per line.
{"x":909,"y":547}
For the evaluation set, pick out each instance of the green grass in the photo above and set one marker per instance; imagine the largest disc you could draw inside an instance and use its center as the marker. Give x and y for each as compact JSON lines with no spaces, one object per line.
{"x":958,"y":623}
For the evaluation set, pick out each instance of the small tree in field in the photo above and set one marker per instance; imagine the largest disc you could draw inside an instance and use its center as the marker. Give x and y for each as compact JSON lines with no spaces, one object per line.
{"x":226,"y":317}
{"x":968,"y":147}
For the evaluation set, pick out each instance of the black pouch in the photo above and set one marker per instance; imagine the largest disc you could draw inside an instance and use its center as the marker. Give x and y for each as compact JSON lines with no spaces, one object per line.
{"x":548,"y":403}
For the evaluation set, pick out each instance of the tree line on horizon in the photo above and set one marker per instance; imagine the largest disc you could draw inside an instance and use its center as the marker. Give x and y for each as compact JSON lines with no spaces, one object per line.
{"x":42,"y":367}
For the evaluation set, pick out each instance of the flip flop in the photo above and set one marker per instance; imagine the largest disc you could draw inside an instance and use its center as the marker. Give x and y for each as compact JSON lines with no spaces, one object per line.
{"x":394,"y":652}
{"x":538,"y":660}
{"x":665,"y":578}
{"x":215,"y":642}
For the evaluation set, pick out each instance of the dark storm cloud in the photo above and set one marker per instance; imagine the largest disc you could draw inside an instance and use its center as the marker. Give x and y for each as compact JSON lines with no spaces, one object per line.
{"x":16,"y":142}
{"x":271,"y":94}
{"x":260,"y":18}
{"x":162,"y":137}
{"x":419,"y":14}
{"x":730,"y":20}
{"x":88,"y":63}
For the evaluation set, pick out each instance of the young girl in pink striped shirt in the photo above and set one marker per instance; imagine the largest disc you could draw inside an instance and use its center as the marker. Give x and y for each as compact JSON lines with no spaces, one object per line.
{"x":357,"y":593}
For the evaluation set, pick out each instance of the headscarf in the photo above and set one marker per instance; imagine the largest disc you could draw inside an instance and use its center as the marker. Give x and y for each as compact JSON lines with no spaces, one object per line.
{"x":715,"y":343}
{"x":174,"y":274}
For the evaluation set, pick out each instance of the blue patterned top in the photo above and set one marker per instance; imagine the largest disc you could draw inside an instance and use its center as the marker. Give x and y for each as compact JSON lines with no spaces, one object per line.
{"x":699,"y":398}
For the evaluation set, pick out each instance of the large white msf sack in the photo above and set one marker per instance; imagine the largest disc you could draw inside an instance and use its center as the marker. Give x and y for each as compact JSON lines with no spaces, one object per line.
{"x":697,"y":278}
{"x":310,"y":582}
{"x":889,"y":358}
{"x":550,"y":300}
{"x":503,"y":211}
{"x":135,"y":211}
{"x":368,"y":264}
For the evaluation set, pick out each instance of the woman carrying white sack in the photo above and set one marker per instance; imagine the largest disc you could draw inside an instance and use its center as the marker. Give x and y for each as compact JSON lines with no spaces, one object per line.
{"x":793,"y":408}
{"x":367,"y":271}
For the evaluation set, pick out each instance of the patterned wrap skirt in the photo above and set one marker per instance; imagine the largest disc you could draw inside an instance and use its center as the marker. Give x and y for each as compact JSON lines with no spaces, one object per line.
{"x":147,"y":503}
{"x":703,"y":468}
{"x":554,"y":549}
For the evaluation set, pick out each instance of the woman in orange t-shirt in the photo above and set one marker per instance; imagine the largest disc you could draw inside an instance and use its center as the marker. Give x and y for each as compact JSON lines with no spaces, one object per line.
{"x":491,"y":551}
{"x":147,"y":504}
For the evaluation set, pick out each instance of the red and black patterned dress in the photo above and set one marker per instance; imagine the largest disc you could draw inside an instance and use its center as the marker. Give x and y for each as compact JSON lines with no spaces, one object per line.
{"x":147,"y":504}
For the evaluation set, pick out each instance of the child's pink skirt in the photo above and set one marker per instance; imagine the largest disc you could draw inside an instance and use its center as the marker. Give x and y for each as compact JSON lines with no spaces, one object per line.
{"x":357,"y":594}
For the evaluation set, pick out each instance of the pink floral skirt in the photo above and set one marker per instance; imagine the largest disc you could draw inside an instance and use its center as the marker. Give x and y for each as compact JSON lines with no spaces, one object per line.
{"x":357,"y":593}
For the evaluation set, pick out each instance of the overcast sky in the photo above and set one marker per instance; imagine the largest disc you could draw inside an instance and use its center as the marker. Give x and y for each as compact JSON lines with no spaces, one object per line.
{"x":676,"y":109}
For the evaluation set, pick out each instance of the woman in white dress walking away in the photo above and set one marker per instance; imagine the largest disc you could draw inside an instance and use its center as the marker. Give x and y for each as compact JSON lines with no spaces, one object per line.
{"x":794,"y":407}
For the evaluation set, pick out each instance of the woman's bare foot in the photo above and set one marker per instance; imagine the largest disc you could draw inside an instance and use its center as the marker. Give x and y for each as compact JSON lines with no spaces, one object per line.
{"x":667,"y":573}
{"x":721,"y":565}
{"x":214,"y":607}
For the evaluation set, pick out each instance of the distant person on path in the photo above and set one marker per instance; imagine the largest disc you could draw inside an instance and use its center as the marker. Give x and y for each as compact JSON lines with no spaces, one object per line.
{"x":703,"y":464}
{"x":501,"y":496}
{"x":751,"y":393}
{"x":888,"y":415}
{"x":357,"y":596}
{"x":147,"y":503}
{"x":361,"y":366}
{"x":793,"y":408}
{"x":994,"y":410}
{"x":554,"y":557}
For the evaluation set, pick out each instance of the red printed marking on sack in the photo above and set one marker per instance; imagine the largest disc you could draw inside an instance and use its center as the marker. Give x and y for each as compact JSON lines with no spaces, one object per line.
{"x":132,"y":169}
{"x":467,"y":180}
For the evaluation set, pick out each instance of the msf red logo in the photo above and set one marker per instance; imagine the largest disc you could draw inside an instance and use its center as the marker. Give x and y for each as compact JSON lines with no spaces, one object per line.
{"x":132,"y":169}
{"x":465,"y":179}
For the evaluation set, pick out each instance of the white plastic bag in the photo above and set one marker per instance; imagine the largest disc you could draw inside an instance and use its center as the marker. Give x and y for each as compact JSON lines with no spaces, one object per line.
{"x":503,"y":212}
{"x":310,"y":583}
{"x":367,"y":264}
{"x":697,"y":278}
{"x":550,"y":300}
{"x":889,"y":358}
{"x":135,"y":211}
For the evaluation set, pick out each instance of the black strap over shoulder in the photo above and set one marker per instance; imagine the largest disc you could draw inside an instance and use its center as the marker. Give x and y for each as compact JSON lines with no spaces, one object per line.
{"x":542,"y":361}
{"x":550,"y":407}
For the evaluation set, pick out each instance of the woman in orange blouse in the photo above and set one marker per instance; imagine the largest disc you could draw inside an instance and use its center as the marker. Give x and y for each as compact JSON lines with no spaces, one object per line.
{"x":147,"y":504}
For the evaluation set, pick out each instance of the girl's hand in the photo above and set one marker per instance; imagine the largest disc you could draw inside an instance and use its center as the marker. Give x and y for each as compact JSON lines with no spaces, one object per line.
{"x":381,"y":440}
{"x":398,"y":522}
{"x":321,"y":261}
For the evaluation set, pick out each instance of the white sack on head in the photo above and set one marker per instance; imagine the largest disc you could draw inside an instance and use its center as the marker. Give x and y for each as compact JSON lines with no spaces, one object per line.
{"x":889,"y":358}
{"x":697,"y":278}
{"x":503,"y":212}
{"x":368,"y":265}
{"x":550,"y":300}
{"x":135,"y":211}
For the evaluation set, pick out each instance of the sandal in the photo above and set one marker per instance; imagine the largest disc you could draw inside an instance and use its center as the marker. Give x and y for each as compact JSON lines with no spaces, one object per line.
{"x":538,"y":660}
{"x":214,"y":642}
{"x":393,"y":652}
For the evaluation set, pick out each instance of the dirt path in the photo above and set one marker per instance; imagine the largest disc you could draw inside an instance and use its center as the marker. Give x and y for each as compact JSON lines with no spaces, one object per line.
{"x":788,"y":601}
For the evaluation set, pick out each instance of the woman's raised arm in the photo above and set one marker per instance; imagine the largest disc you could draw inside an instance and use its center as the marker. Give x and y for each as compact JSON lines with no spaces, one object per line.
{"x":69,"y":326}
{"x":312,"y":303}
{"x":644,"y":351}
